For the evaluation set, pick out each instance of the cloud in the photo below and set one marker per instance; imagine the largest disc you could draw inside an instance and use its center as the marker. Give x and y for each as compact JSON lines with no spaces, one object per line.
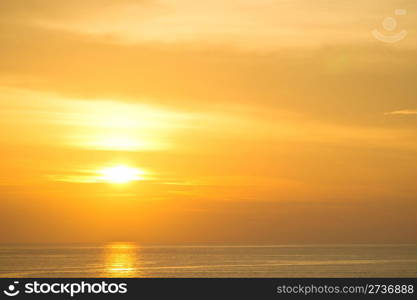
{"x":248,"y":24}
{"x":191,"y":76}
{"x":403,"y":112}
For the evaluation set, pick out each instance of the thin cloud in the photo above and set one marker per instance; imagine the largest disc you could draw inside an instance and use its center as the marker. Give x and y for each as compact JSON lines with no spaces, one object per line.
{"x":403,"y":112}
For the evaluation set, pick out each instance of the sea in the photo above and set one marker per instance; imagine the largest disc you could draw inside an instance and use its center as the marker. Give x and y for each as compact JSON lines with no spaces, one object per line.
{"x":209,"y":261}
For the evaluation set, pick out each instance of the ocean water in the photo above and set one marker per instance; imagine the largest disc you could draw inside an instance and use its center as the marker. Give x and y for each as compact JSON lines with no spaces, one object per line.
{"x":132,"y":260}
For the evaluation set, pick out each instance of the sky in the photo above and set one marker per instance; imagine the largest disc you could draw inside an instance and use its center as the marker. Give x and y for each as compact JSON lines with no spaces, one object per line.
{"x":179,"y":121}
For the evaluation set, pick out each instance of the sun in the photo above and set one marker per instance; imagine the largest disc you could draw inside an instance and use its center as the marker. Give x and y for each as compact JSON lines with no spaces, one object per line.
{"x":121,"y":174}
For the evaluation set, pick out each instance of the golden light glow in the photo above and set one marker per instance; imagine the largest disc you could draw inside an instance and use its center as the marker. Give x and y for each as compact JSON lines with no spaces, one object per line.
{"x":120,"y":260}
{"x":120,"y":142}
{"x":286,"y":115}
{"x":121,"y":174}
{"x":117,"y":126}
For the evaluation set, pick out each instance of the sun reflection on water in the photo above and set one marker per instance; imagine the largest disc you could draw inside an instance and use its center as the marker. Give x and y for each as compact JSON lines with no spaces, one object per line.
{"x":122,"y":260}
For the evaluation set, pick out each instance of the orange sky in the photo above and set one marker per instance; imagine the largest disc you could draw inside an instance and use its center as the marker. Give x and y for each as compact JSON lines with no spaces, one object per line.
{"x":243,"y":122}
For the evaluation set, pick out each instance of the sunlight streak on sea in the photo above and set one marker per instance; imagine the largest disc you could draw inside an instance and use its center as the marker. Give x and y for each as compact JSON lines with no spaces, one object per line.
{"x":133,"y":260}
